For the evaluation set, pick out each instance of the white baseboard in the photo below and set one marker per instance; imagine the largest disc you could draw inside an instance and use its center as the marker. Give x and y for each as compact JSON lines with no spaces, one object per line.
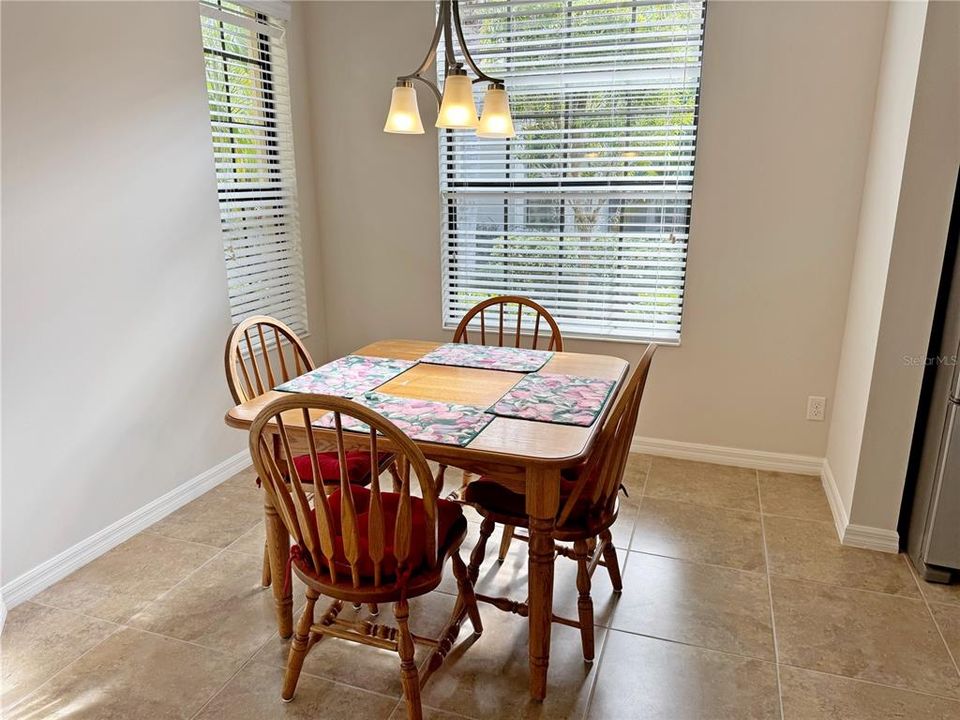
{"x":756,"y":459}
{"x":858,"y":536}
{"x":52,"y":570}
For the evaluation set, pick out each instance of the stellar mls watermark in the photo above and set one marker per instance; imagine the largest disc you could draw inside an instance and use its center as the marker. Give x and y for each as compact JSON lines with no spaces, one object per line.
{"x":930,"y":360}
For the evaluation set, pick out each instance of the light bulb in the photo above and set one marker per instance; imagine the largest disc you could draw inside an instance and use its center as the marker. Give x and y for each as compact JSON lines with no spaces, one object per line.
{"x":496,"y":121}
{"x":457,"y":109}
{"x":404,"y":115}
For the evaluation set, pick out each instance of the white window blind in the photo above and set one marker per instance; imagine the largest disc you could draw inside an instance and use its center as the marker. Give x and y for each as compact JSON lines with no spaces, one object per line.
{"x":248,"y":88}
{"x":587,"y":209}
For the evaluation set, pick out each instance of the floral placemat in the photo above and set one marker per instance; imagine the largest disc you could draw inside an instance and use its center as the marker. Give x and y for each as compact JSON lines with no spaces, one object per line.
{"x":488,"y":357}
{"x":348,"y":377}
{"x":425,"y":420}
{"x":561,"y":399}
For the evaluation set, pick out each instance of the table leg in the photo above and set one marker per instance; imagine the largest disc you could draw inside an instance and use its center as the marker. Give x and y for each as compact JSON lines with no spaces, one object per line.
{"x":543,"y":497}
{"x":278,"y":550}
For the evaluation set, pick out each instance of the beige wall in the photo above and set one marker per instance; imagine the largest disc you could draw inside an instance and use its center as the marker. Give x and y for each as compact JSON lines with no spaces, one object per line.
{"x":915,"y":153}
{"x":787,"y":103}
{"x":114,"y":293}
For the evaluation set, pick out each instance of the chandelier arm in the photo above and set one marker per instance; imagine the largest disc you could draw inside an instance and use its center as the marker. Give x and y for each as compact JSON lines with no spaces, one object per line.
{"x":429,"y":83}
{"x":431,"y":51}
{"x":450,"y":59}
{"x":481,"y":76}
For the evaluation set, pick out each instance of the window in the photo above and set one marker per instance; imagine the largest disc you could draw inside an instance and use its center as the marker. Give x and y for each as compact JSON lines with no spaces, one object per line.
{"x":587,"y":209}
{"x":248,"y":88}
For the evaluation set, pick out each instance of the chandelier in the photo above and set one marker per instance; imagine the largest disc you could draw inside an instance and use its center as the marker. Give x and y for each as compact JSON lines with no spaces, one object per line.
{"x":457,"y":110}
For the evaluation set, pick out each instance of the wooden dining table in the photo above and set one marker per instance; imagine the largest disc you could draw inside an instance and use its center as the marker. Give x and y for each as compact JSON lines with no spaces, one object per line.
{"x":525,"y":455}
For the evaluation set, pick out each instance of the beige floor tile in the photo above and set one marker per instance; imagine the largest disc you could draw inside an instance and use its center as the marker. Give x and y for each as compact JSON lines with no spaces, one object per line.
{"x":722,"y":537}
{"x":120,"y":583}
{"x":814,"y":696}
{"x":791,"y":495}
{"x":712,"y":607}
{"x":652,"y":679}
{"x":254,"y":694}
{"x":635,"y":475}
{"x":222,"y":606}
{"x":251,"y":542}
{"x":703,"y":483}
{"x":509,"y":579}
{"x":362,"y":666}
{"x":810,"y":550}
{"x":869,"y":636}
{"x":217,"y":518}
{"x":489,"y":677}
{"x":940,"y":593}
{"x":38,"y":641}
{"x":131,"y":675}
{"x":948,"y":620}
{"x":429,"y":713}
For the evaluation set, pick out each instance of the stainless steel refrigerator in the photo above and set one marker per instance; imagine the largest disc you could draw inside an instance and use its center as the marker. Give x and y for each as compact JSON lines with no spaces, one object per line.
{"x":933,"y":520}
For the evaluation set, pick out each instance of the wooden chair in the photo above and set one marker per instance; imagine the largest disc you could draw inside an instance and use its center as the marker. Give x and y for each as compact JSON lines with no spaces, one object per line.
{"x":500,"y":307}
{"x":261,"y":353}
{"x":588,"y":507}
{"x":363,"y":545}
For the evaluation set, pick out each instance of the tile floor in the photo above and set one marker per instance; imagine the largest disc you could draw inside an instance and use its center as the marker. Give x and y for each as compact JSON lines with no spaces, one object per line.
{"x":738,"y":603}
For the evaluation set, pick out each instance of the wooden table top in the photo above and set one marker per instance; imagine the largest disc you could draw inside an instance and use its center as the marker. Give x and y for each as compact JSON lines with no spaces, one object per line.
{"x":504,"y":440}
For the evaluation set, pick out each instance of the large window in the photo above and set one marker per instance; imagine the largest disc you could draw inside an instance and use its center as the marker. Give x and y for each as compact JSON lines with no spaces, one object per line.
{"x":587,"y":209}
{"x":247,"y":83}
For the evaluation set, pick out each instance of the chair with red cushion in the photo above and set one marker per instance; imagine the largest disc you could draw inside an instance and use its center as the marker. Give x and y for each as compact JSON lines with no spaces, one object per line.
{"x":251,"y":372}
{"x":361,"y":545}
{"x":588,"y":507}
{"x":513,"y":316}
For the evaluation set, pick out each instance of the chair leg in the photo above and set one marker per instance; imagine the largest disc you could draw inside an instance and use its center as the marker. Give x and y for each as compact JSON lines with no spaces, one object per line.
{"x":505,"y":542}
{"x":265,"y":573}
{"x":408,"y":668}
{"x":438,"y":482}
{"x":611,"y":561}
{"x":584,"y":602}
{"x":299,"y":647}
{"x":467,"y":595}
{"x":476,"y":557}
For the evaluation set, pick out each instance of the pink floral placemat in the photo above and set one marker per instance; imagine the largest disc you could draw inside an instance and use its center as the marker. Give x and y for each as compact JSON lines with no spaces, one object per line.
{"x":348,"y":377}
{"x":561,"y":399}
{"x":425,"y":420}
{"x":488,"y":358}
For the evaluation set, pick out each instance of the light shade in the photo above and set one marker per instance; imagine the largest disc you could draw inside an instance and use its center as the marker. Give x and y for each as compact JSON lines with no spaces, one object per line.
{"x":457,"y":109}
{"x":496,"y":121}
{"x":404,"y":115}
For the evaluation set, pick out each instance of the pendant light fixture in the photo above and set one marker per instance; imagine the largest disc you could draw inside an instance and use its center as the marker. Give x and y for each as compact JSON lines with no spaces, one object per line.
{"x":457,"y":111}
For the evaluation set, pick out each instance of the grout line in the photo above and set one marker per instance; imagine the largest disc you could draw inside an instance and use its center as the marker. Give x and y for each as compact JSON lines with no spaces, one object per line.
{"x":773,"y":622}
{"x":598,"y":667}
{"x":699,"y":562}
{"x":874,"y":683}
{"x":933,"y":617}
{"x":795,"y":578}
{"x":77,"y":659}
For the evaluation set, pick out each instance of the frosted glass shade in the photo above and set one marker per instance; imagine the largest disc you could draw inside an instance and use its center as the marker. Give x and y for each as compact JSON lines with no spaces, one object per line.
{"x":457,"y":109}
{"x":404,"y":115}
{"x":496,"y":121}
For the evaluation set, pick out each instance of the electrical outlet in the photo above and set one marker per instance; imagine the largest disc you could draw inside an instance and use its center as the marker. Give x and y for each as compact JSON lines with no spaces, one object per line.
{"x":816,"y":408}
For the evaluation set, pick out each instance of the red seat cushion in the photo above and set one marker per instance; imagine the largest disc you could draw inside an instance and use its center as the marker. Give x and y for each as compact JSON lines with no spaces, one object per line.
{"x":358,"y":467}
{"x":448,"y":513}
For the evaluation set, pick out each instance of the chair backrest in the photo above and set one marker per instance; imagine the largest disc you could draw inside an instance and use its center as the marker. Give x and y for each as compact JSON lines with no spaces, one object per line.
{"x":600,"y":478}
{"x":337,"y":544}
{"x":505,"y":305}
{"x":282,"y":357}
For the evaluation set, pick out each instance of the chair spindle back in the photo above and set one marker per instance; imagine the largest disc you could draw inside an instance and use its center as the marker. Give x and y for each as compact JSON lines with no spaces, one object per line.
{"x":282,"y":357}
{"x":317,"y":530}
{"x":600,"y":478}
{"x":501,"y":309}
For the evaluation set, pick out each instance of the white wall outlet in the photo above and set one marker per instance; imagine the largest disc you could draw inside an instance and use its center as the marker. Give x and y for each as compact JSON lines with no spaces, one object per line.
{"x":816,"y":408}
